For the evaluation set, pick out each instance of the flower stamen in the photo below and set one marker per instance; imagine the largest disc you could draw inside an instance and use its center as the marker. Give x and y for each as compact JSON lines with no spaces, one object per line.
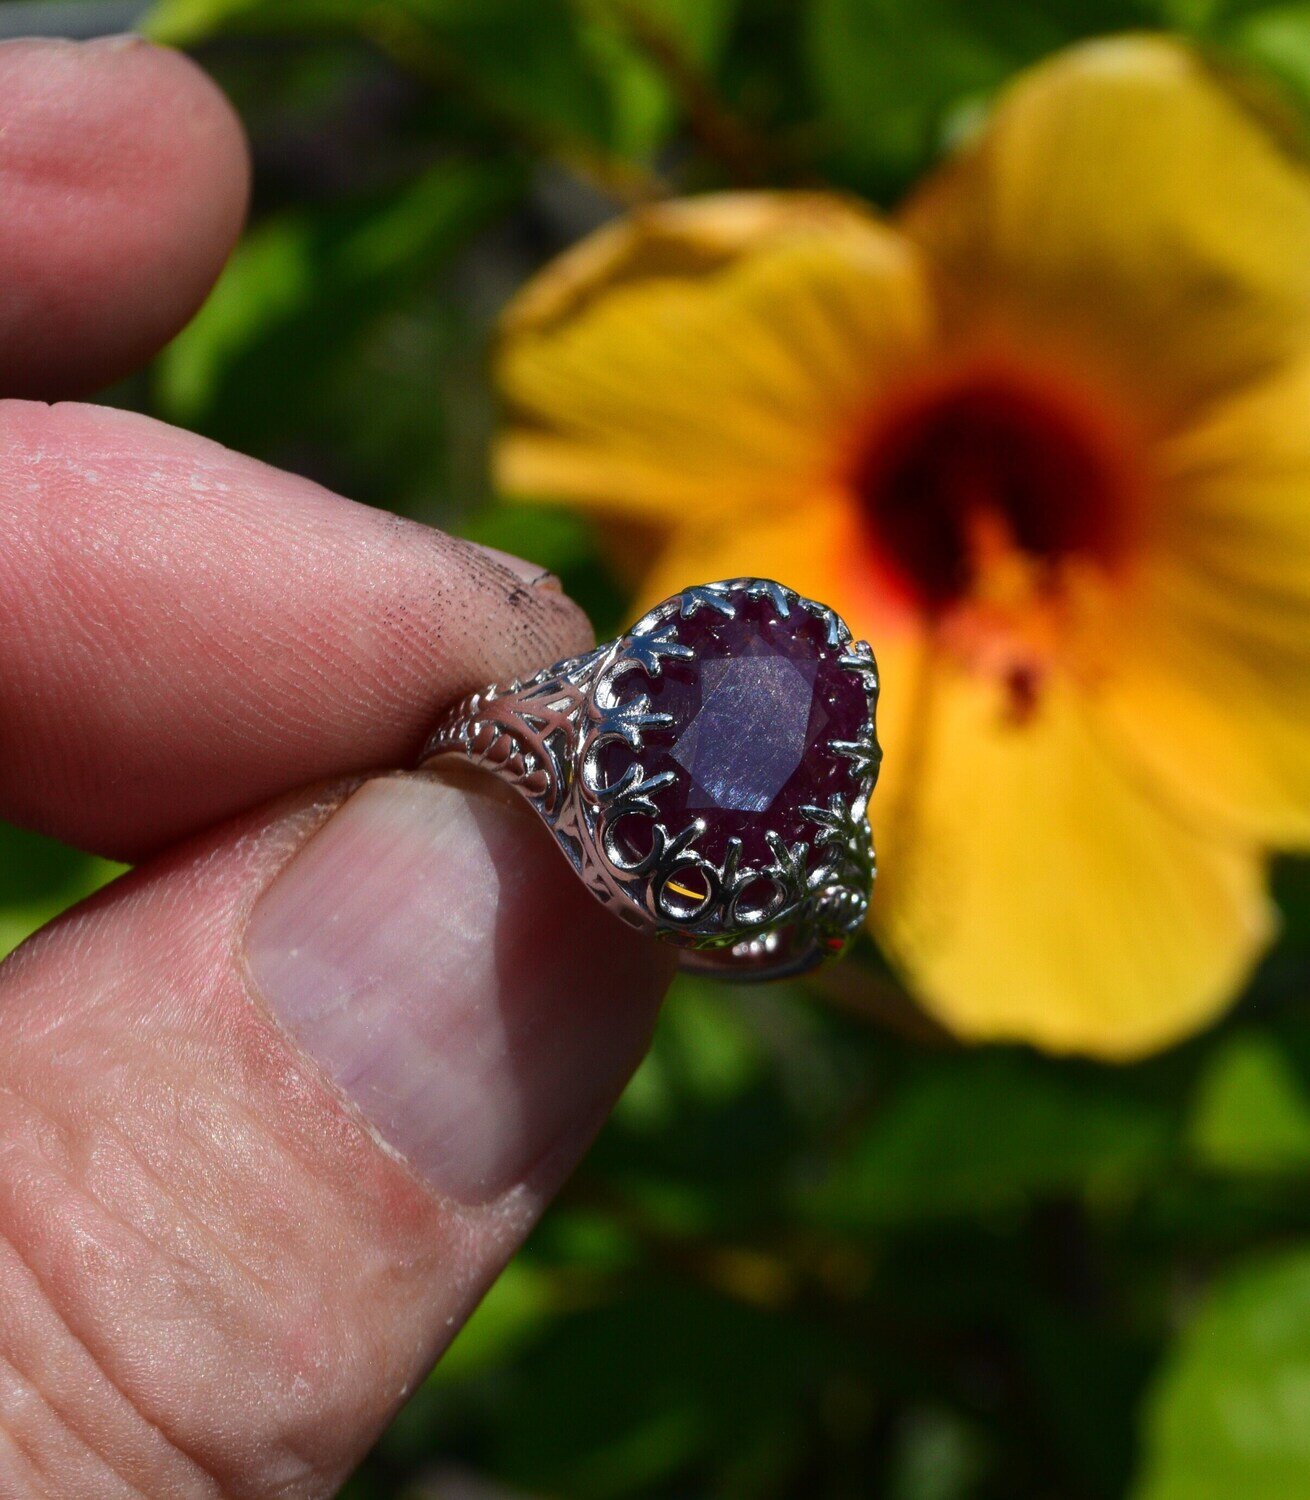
{"x":982,"y":484}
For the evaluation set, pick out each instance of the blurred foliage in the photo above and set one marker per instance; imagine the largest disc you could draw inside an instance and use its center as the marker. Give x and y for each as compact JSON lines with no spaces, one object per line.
{"x":39,"y":879}
{"x":810,"y":1256}
{"x":1231,"y":1414}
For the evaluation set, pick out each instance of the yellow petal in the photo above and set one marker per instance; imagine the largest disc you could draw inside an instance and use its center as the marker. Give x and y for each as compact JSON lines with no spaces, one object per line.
{"x":1123,"y":208}
{"x":815,"y":546}
{"x":1031,"y":889}
{"x":705,"y":355}
{"x":1208,"y":679}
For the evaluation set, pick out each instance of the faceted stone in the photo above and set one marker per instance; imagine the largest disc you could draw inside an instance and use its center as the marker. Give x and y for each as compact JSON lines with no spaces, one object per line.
{"x":754,"y":714}
{"x":748,"y":736}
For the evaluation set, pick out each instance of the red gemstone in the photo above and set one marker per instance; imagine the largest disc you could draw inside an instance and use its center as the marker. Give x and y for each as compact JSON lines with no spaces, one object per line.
{"x":754,"y":712}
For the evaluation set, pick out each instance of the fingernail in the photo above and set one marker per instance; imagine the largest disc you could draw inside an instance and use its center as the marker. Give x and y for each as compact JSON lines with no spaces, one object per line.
{"x":529,"y":572}
{"x":413,"y":948}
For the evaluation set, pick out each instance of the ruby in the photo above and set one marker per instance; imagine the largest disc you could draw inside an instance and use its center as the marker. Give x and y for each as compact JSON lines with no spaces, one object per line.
{"x":754,"y":715}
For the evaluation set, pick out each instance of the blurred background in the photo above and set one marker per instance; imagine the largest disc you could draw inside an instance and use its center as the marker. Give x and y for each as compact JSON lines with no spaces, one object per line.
{"x":822,"y":1249}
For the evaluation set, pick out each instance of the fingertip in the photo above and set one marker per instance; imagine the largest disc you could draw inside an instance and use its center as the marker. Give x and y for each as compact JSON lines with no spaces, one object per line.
{"x":125,"y":177}
{"x":526,"y":586}
{"x":190,"y":632}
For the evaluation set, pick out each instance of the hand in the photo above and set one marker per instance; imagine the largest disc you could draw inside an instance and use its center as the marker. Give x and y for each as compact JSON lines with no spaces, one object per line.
{"x":277,"y":1106}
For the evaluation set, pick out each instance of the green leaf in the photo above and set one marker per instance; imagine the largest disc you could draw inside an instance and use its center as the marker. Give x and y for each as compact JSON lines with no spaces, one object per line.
{"x":890,"y":75}
{"x":551,"y":70}
{"x":987,"y":1133}
{"x":936,"y":1457}
{"x":1276,"y":38}
{"x":524,"y":58}
{"x":623,"y":1396}
{"x":684,"y":35}
{"x":304,"y":288}
{"x":184,"y":23}
{"x":703,"y":1057}
{"x":527,"y":56}
{"x":696,"y":1127}
{"x":1252,"y":1113}
{"x":39,"y":878}
{"x":1230,"y":1417}
{"x":517,"y":1306}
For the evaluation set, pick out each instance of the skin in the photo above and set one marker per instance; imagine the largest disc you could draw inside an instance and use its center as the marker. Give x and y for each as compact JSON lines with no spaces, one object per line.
{"x":215,"y":1277}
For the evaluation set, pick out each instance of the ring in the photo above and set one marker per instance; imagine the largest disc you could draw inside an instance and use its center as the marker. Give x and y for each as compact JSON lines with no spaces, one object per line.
{"x":707,"y":774}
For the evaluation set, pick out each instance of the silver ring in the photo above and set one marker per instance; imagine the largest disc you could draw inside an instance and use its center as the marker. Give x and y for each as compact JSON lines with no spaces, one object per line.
{"x":707,"y":774}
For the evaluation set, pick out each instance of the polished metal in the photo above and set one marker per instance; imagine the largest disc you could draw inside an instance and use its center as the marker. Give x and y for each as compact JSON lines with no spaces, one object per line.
{"x":545,"y":738}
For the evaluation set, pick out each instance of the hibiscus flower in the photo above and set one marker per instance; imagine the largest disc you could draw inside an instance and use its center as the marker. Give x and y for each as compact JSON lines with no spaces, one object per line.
{"x":1044,"y":439}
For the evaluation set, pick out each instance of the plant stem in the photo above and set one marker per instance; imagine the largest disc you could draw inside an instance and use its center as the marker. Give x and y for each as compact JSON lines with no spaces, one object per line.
{"x":747,"y":156}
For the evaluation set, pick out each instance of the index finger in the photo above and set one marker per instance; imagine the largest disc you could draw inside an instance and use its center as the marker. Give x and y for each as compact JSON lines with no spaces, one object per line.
{"x":185,"y":632}
{"x":124,"y":177}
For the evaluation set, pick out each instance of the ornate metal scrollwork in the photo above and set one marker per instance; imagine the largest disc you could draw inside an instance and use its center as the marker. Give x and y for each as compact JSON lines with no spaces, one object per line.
{"x":550,"y":737}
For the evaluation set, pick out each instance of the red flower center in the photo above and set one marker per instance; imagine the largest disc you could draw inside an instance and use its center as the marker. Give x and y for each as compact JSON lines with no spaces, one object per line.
{"x":988,"y":462}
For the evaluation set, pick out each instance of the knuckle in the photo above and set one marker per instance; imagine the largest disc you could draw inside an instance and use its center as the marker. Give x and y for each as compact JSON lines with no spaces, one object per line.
{"x":129,"y":1323}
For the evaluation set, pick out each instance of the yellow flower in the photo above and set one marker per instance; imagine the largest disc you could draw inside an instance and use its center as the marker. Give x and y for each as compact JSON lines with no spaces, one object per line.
{"x":1046,"y":441}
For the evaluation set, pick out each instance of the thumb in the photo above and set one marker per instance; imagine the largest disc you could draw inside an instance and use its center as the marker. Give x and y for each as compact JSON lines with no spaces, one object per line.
{"x":273,"y":1112}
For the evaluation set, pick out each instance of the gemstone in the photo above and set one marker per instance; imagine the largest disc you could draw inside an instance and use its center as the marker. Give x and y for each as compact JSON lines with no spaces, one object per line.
{"x":748,"y":736}
{"x":754,"y":713}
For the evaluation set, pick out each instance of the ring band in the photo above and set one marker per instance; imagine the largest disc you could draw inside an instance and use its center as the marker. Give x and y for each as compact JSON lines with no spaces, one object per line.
{"x":707,"y":774}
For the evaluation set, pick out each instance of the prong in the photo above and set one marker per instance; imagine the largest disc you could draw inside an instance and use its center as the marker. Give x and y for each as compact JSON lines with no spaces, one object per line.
{"x":674,"y":848}
{"x":833,"y":624}
{"x":789,"y":861}
{"x":834,"y":821}
{"x":634,"y":785}
{"x":650,"y":652}
{"x":703,"y":596}
{"x":629,"y":721}
{"x":731,"y":859}
{"x":779,"y":597}
{"x":865,"y":756}
{"x":859,"y":659}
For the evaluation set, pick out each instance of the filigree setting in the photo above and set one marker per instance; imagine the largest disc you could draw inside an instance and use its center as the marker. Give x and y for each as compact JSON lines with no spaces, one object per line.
{"x":553,"y":737}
